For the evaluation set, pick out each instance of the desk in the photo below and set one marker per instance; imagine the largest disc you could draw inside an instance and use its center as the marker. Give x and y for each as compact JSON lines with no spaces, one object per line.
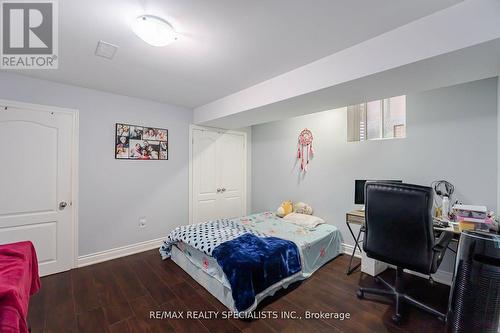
{"x":358,"y":217}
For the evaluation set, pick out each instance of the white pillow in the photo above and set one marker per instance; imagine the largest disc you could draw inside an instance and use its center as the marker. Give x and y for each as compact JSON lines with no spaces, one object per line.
{"x":304,"y":220}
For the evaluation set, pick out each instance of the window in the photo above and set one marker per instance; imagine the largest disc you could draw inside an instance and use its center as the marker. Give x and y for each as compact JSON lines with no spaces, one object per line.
{"x":381,"y":119}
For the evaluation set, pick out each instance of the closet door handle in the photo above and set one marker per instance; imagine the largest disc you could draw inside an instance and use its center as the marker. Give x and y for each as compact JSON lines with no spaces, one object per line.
{"x":219,"y":190}
{"x":223,"y":189}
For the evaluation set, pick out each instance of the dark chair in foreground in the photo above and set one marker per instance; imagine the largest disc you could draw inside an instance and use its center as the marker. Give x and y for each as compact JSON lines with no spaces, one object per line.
{"x":399,"y":231}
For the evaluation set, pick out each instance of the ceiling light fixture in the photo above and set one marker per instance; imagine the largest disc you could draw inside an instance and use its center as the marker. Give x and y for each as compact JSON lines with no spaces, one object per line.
{"x":154,"y":30}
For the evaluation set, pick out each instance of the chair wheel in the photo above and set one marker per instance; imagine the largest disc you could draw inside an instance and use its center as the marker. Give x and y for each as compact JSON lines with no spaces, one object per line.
{"x":360,"y":294}
{"x":397,"y":318}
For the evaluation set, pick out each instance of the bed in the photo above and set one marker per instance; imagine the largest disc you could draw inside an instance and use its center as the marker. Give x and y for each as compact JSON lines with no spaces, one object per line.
{"x":316,"y":246}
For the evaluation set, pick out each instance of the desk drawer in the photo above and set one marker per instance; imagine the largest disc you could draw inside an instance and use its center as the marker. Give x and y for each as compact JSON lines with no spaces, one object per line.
{"x":355,"y":219}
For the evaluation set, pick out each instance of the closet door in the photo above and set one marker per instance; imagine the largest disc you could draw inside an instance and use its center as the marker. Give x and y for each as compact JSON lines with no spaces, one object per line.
{"x":231,"y":161}
{"x":205,"y":182}
{"x":218,"y":175}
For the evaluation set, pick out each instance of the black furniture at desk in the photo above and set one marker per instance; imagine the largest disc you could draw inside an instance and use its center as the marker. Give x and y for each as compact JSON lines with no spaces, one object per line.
{"x":357,"y":217}
{"x":399,"y":231}
{"x":474,"y":304}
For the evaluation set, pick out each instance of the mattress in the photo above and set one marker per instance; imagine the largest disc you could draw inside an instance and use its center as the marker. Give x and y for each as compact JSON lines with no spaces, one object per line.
{"x":220,"y":291}
{"x":316,"y":246}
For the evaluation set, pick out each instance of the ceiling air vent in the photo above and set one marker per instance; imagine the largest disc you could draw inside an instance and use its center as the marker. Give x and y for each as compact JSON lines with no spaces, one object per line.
{"x":105,"y":50}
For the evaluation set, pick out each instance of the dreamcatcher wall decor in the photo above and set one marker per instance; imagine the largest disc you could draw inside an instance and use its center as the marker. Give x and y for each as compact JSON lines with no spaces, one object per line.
{"x":305,"y":149}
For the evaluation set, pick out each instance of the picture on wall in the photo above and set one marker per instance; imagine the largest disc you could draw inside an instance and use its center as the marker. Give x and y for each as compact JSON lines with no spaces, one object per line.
{"x":140,"y":142}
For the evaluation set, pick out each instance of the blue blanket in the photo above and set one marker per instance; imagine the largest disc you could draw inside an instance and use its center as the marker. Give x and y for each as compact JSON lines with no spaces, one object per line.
{"x":252,"y":264}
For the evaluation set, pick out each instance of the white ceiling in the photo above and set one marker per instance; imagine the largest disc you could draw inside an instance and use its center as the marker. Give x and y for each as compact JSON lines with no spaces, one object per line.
{"x":227,"y":45}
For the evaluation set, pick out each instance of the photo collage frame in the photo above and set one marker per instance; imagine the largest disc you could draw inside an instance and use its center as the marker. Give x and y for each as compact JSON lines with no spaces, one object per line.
{"x":135,"y":142}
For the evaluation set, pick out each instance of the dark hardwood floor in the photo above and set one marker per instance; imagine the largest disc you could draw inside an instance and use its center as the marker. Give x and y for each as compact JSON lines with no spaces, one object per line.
{"x":117,"y":296}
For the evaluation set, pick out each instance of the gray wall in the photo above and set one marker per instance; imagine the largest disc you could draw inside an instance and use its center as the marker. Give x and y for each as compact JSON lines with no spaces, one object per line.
{"x":115,"y":193}
{"x":451,"y":134}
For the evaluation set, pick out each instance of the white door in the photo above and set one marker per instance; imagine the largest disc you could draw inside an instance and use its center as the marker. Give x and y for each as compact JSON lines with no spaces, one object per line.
{"x":35,"y":184}
{"x":219,"y":173}
{"x":231,"y":176}
{"x":205,"y":182}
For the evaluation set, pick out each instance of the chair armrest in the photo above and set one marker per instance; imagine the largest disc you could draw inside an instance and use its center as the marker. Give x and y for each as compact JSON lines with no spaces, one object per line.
{"x":442,"y":242}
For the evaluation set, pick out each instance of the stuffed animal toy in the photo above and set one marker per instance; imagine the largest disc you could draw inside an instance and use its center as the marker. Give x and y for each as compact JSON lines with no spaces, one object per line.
{"x":285,"y":208}
{"x":302,"y":208}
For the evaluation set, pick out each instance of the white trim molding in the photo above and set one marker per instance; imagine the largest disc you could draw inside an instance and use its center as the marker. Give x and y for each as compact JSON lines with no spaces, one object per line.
{"x":347,"y":249}
{"x":122,"y":251}
{"x":440,"y":276}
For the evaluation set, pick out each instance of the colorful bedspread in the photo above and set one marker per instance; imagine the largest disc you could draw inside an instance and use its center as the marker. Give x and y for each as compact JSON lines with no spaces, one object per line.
{"x":18,"y":280}
{"x":253,"y":264}
{"x":206,"y":236}
{"x":316,"y":246}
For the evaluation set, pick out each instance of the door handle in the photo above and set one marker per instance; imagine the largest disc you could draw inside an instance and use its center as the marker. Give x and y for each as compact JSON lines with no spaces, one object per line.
{"x":223,"y":189}
{"x":62,"y":205}
{"x":219,"y":190}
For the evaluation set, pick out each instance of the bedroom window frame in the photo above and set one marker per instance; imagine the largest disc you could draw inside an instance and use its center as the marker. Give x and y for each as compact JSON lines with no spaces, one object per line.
{"x":358,"y":121}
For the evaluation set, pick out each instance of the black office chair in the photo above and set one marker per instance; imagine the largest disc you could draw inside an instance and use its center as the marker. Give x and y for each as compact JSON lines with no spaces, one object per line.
{"x":399,"y":231}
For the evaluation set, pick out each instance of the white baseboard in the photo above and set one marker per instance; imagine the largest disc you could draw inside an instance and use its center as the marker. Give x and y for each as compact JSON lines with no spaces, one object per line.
{"x":94,"y":258}
{"x":440,"y":276}
{"x":347,"y":249}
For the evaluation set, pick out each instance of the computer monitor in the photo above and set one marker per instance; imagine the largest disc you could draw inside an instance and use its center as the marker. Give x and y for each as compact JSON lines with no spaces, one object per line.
{"x":359,"y":189}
